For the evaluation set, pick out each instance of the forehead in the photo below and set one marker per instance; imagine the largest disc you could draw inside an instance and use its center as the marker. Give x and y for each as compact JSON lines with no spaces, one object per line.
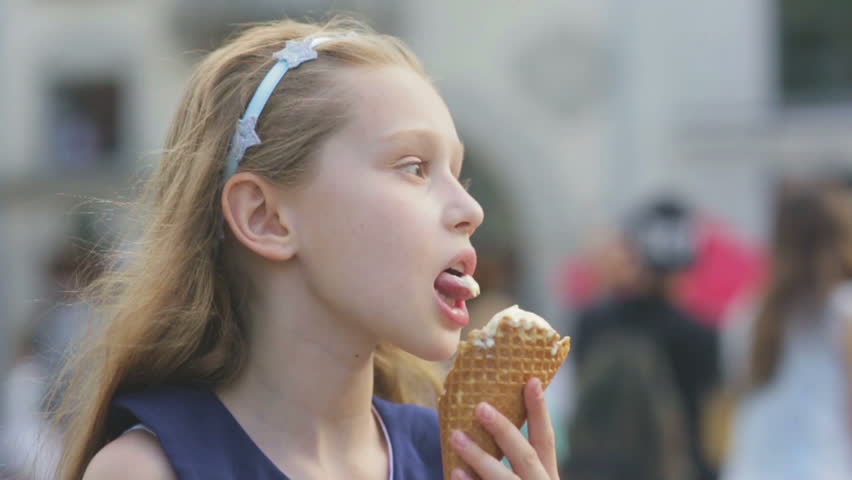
{"x":388,"y":100}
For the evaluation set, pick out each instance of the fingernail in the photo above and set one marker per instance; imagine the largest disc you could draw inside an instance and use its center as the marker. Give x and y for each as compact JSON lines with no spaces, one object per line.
{"x":538,"y":388}
{"x":458,"y":474}
{"x":486,"y":412}
{"x":459,"y":439}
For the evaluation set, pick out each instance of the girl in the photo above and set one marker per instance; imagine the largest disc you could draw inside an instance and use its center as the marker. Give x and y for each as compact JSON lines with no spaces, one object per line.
{"x":305,"y":232}
{"x":794,"y":419}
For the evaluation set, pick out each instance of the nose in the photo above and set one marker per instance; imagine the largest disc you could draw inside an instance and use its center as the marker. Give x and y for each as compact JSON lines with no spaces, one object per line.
{"x":464,"y":214}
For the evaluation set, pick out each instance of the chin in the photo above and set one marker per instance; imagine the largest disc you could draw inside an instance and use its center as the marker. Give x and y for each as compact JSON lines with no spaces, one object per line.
{"x":439,"y":349}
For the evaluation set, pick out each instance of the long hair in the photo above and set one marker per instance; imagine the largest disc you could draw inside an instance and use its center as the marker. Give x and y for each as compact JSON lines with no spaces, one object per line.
{"x":170,"y":309}
{"x":811,"y":252}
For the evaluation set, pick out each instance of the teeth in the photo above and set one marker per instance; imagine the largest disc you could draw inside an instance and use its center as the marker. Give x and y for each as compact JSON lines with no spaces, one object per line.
{"x":459,"y":267}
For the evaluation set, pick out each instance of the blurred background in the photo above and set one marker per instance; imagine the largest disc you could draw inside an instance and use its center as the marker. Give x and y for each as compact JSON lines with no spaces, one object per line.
{"x":578,"y":117}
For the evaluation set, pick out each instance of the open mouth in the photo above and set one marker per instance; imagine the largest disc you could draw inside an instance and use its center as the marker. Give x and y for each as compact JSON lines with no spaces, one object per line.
{"x":453,"y":288}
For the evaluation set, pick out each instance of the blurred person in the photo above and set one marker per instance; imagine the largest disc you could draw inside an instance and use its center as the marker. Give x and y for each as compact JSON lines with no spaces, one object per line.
{"x":639,"y":353}
{"x":727,"y":267}
{"x":39,"y":354}
{"x":588,"y":275}
{"x":24,"y":428}
{"x":795,"y":351}
{"x":303,"y":259}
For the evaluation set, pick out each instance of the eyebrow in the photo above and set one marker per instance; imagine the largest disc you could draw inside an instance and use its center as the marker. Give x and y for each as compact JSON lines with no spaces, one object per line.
{"x":424,"y":136}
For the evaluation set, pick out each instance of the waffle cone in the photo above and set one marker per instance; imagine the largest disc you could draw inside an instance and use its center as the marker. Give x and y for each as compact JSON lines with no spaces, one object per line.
{"x":495,"y":373}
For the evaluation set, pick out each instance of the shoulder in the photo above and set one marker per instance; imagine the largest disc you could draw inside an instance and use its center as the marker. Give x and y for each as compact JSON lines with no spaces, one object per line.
{"x":139,"y":449}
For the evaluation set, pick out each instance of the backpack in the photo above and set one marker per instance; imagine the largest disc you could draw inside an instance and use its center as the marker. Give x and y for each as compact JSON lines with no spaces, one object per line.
{"x":629,"y":422}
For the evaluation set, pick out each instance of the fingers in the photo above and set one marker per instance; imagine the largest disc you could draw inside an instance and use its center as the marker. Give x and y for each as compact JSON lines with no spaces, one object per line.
{"x":482,"y":463}
{"x":531,"y":460}
{"x":542,"y":438}
{"x":523,"y":457}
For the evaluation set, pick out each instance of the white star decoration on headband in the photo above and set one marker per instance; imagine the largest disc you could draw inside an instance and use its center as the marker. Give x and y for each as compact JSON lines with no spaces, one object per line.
{"x":246,"y":135}
{"x":296,"y":52}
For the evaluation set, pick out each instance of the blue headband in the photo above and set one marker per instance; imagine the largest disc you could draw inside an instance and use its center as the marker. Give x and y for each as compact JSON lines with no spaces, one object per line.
{"x":294,"y":53}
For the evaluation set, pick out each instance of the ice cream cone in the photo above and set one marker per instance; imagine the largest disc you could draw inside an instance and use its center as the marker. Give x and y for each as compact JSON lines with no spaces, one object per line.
{"x":493,"y":365}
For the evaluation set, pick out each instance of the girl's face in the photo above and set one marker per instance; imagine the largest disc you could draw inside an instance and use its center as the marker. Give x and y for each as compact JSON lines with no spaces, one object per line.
{"x":385,"y":214}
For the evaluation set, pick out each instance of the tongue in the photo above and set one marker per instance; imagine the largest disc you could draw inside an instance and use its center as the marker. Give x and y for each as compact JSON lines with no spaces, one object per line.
{"x":452,"y":286}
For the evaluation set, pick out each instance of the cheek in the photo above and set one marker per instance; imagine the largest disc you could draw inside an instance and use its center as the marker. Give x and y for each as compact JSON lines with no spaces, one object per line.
{"x":392,"y":240}
{"x":370,"y":243}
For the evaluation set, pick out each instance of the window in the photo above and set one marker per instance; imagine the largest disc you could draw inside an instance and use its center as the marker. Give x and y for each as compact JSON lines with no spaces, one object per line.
{"x":85,"y":125}
{"x":816,"y":50}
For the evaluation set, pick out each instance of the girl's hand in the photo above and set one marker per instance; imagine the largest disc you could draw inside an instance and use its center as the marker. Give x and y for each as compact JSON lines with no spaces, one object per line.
{"x":531,"y":460}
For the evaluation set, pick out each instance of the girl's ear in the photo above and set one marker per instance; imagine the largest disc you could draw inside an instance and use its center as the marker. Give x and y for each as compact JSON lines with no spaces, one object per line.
{"x":257,"y":217}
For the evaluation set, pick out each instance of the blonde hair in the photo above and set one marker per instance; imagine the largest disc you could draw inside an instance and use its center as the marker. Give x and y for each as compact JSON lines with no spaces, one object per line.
{"x":171,"y":310}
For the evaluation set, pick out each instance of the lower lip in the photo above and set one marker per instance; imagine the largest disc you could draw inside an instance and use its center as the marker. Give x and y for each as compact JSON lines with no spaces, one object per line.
{"x":457,"y":314}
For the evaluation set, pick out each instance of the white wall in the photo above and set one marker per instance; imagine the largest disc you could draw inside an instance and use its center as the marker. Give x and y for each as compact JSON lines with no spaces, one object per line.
{"x":722,"y":60}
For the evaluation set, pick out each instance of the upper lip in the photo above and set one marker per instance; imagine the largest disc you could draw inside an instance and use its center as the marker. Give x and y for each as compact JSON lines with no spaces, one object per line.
{"x":467,"y":258}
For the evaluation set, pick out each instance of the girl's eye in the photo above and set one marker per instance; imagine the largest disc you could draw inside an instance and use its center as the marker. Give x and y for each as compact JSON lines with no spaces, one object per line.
{"x":418,"y":169}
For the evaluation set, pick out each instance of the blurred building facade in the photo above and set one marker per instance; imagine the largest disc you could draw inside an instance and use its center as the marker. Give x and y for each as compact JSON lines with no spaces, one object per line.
{"x":570,"y":111}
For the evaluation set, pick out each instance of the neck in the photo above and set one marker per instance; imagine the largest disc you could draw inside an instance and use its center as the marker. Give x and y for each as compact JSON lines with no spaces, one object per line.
{"x":305,"y":393}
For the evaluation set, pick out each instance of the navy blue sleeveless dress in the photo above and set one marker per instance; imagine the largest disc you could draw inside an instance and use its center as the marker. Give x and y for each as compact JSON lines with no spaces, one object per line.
{"x":202,"y":440}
